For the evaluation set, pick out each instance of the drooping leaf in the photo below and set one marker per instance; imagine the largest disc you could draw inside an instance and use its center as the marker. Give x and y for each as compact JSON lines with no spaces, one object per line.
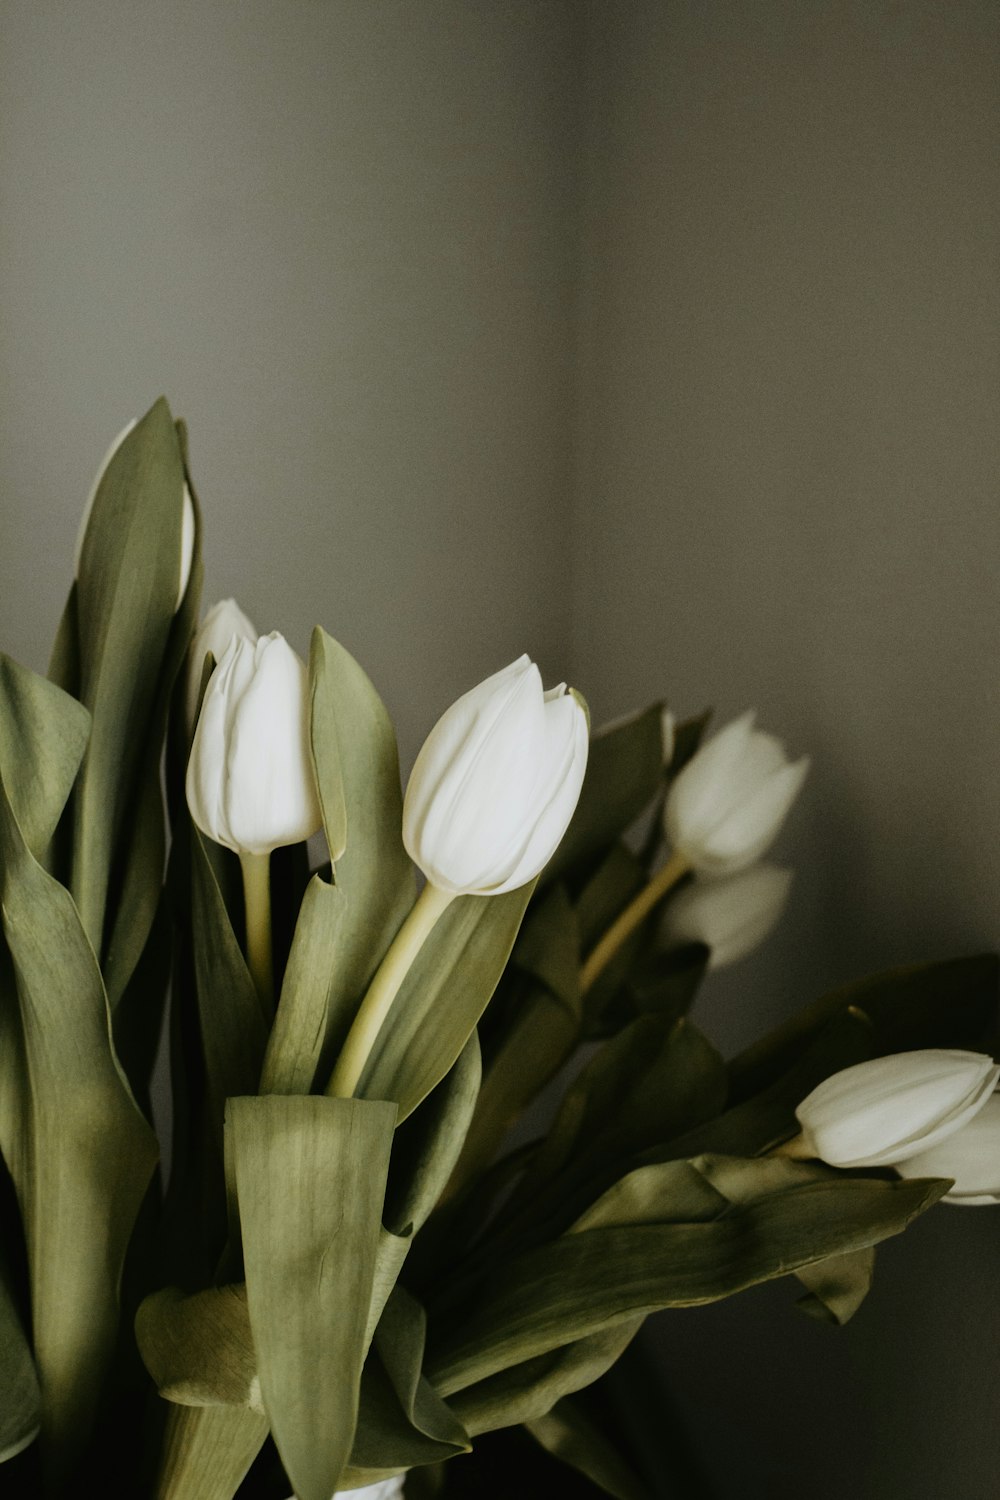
{"x":526,"y":1391}
{"x":89,"y":1153}
{"x":427,"y":1144}
{"x":568,"y":1433}
{"x":836,"y":1288}
{"x":402,"y":1422}
{"x":344,"y":931}
{"x":442,"y":998}
{"x":43,"y":735}
{"x":562,"y":1290}
{"x":126,"y":597}
{"x":624,"y":771}
{"x":310,"y":1175}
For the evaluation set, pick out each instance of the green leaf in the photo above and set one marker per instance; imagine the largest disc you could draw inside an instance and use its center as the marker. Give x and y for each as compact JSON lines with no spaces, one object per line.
{"x":442,"y":997}
{"x":343,"y":931}
{"x":836,"y":1288}
{"x":126,"y":597}
{"x":233,"y":1022}
{"x":89,"y":1153}
{"x":568,"y":1434}
{"x":138,"y":874}
{"x":562,"y":1290}
{"x":20,"y":1400}
{"x":526,"y":1391}
{"x":624,"y":772}
{"x":947,"y":1004}
{"x":655,"y":1079}
{"x":199,"y":1349}
{"x":206,"y":1451}
{"x":43,"y":735}
{"x":310,"y":1175}
{"x":402,"y":1422}
{"x":427,"y":1144}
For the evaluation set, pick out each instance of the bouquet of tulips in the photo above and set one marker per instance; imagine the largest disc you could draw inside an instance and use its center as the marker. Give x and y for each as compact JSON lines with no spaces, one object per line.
{"x":354,"y":1268}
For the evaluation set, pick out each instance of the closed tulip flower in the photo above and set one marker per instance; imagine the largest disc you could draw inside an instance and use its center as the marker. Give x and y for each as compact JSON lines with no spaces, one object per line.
{"x":496,"y":783}
{"x":971,"y":1157}
{"x":890,"y":1109}
{"x":731,"y":915}
{"x":250,"y":783}
{"x":187,"y":520}
{"x":726,"y":806}
{"x":221,"y":624}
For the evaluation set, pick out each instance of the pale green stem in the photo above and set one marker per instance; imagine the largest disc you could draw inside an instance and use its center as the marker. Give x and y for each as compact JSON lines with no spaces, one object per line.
{"x":796,"y":1149}
{"x":632,"y":917}
{"x":384,"y":988}
{"x":257,"y":904}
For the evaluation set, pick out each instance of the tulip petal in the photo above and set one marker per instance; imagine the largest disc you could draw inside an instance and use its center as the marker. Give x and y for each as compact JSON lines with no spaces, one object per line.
{"x":747,"y":831}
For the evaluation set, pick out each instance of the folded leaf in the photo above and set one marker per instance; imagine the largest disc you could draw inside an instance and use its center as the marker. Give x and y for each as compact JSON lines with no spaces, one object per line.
{"x":20,"y":1400}
{"x":567,"y":1433}
{"x":310,"y":1175}
{"x":43,"y":735}
{"x":199,"y":1349}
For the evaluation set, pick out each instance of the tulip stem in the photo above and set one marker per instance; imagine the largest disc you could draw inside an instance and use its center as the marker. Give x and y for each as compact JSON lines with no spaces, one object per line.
{"x":795,"y":1149}
{"x":257,"y":905}
{"x":632,"y":917}
{"x":384,"y":988}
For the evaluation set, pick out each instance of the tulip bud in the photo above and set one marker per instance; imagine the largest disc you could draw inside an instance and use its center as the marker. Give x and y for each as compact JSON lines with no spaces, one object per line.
{"x":726,"y":806}
{"x":971,"y":1157}
{"x":496,"y":783}
{"x":731,"y":915}
{"x":881,"y":1112}
{"x":187,"y":520}
{"x":250,"y":783}
{"x":222,"y":622}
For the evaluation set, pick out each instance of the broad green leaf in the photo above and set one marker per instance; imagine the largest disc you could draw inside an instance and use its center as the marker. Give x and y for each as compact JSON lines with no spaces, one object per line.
{"x":342,"y":933}
{"x":137,"y":877}
{"x":89,"y":1154}
{"x":947,"y":1004}
{"x":137,"y":1023}
{"x":524,"y":1392}
{"x":671,"y":1192}
{"x":442,"y":997}
{"x":310,"y":1175}
{"x":562,"y":1291}
{"x":64,"y":663}
{"x":199,"y":1348}
{"x":126,"y":596}
{"x":206,"y":1451}
{"x":402,"y":1422}
{"x":607,"y":892}
{"x":624,"y":771}
{"x":233,"y":1021}
{"x":568,"y":1434}
{"x":43,"y":735}
{"x":20,"y":1400}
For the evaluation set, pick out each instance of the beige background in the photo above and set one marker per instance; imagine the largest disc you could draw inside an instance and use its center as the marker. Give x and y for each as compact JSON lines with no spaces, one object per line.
{"x":660,"y":340}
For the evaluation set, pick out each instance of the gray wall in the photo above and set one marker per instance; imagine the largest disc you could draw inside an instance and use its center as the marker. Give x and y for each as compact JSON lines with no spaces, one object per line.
{"x":341,"y":238}
{"x":657,"y":339}
{"x":787,"y":497}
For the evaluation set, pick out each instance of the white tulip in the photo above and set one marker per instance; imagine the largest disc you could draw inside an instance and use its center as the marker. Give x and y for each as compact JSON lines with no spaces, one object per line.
{"x":250,"y":783}
{"x":887,"y":1110}
{"x":728,"y":803}
{"x":222,"y":622}
{"x":731,"y":915}
{"x":187,"y":520}
{"x":971,"y":1157}
{"x":496,"y":783}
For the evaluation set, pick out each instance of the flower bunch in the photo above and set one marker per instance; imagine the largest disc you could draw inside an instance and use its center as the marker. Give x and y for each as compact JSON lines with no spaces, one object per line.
{"x":351,"y":1255}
